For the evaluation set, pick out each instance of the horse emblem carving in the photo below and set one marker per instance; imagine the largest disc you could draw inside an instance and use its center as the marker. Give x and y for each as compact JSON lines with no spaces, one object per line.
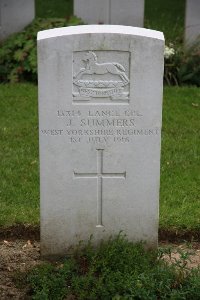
{"x":92,"y":80}
{"x":93,"y":67}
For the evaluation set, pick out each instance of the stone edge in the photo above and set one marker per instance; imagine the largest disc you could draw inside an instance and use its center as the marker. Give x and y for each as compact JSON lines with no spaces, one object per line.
{"x":88,"y":29}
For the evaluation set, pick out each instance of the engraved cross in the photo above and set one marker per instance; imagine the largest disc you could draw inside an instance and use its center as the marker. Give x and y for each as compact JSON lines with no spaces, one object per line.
{"x":99,"y":175}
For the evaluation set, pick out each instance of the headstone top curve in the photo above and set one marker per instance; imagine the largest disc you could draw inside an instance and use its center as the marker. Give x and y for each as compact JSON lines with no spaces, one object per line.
{"x":87,"y":29}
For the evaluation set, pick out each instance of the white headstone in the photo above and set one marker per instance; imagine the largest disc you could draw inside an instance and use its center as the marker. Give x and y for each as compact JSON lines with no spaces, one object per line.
{"x":15,"y":15}
{"x":92,"y":11}
{"x":126,"y":12}
{"x":192,"y":22}
{"x":100,"y":101}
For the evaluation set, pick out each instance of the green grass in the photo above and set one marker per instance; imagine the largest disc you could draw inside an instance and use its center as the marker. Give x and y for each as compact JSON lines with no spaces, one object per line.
{"x":180,"y":166}
{"x":19,"y":195}
{"x":180,"y":176}
{"x":166,"y":16}
{"x":99,"y":274}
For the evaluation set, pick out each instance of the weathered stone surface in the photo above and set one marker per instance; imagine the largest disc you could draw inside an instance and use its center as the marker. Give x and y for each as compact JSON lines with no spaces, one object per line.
{"x":100,"y":101}
{"x":192,"y":22}
{"x":15,"y":15}
{"x":92,"y":11}
{"x":126,"y":12}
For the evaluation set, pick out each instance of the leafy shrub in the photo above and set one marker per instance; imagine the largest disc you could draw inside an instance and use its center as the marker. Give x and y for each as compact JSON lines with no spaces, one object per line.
{"x":18,"y":54}
{"x":189,"y":70}
{"x":182,"y":67}
{"x":116,"y":270}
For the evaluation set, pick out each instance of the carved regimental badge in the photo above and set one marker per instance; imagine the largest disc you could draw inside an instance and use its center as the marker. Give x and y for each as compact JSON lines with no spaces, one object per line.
{"x":97,"y":78}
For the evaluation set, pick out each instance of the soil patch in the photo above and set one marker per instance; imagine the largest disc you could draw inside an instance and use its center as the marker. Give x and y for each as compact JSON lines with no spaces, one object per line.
{"x":16,"y":256}
{"x":191,"y":251}
{"x":20,"y":231}
{"x":173,"y":236}
{"x":31,"y":232}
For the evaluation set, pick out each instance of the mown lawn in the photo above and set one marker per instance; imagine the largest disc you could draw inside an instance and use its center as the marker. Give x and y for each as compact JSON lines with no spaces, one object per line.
{"x":180,"y":165}
{"x":180,"y":171}
{"x":19,"y":192}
